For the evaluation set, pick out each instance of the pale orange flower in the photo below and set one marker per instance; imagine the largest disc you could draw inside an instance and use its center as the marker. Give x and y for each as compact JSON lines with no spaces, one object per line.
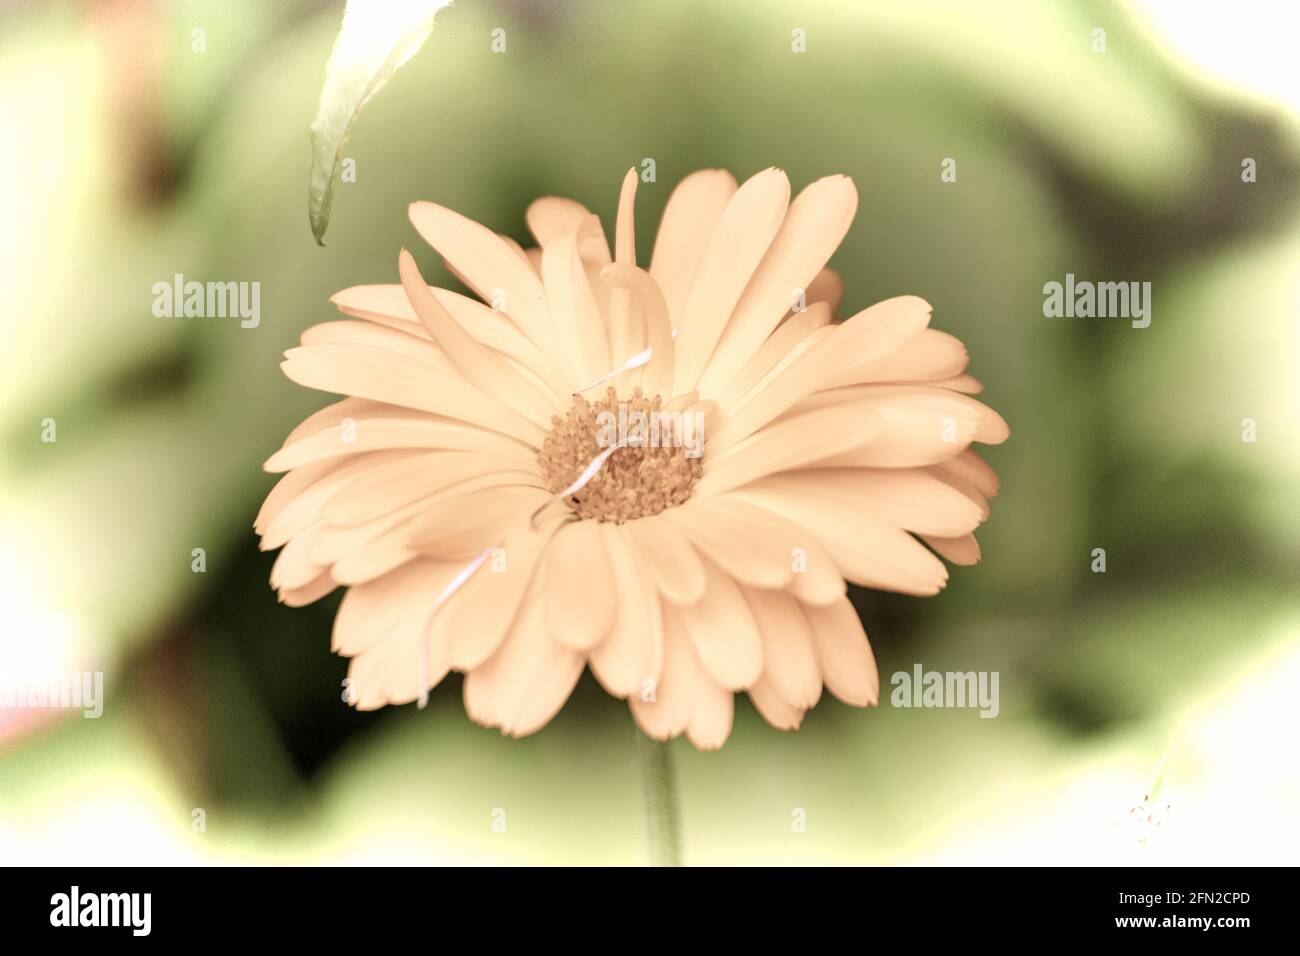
{"x":483,"y":521}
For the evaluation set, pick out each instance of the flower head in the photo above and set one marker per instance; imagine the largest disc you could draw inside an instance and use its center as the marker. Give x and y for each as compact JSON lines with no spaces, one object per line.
{"x":663,"y":474}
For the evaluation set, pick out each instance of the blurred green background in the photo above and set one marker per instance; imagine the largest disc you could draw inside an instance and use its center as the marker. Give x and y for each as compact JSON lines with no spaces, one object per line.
{"x":128,"y":157}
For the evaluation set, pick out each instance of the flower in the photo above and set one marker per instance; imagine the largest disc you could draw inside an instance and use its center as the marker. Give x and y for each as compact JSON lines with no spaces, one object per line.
{"x":516,"y":490}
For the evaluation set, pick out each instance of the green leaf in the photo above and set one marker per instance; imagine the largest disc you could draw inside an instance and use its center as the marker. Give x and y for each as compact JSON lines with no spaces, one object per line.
{"x":376,"y":38}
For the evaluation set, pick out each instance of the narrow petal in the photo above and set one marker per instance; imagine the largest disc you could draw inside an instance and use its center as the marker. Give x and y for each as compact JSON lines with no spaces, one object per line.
{"x":671,"y":560}
{"x":724,"y":632}
{"x":868,"y":549}
{"x":483,"y":611}
{"x":773,"y":708}
{"x":790,"y":664}
{"x":632,"y":653}
{"x":371,"y":612}
{"x":964,"y":550}
{"x":397,"y":669}
{"x":466,"y":524}
{"x":789,"y":443}
{"x":310,"y":592}
{"x":812,"y":230}
{"x":693,"y":210}
{"x":304,"y":510}
{"x":970,"y":467}
{"x":667,"y":709}
{"x":550,"y":217}
{"x":580,"y":591}
{"x":848,"y":666}
{"x":657,"y":377}
{"x":930,"y":357}
{"x":389,"y":377}
{"x":739,"y":242}
{"x":358,"y":332}
{"x":826,"y":287}
{"x":878,"y":330}
{"x":574,"y":308}
{"x":398,"y":429}
{"x":909,"y":498}
{"x":780,"y":344}
{"x":479,"y":364}
{"x":625,"y":226}
{"x":528,"y":678}
{"x":490,"y":268}
{"x":390,"y":306}
{"x":712,"y":718}
{"x":738,"y":537}
{"x":910,"y":435}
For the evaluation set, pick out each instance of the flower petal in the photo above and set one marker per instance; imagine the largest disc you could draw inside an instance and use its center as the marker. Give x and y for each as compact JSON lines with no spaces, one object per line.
{"x":485,"y":608}
{"x":667,"y":711}
{"x":671,"y":560}
{"x":693,"y":210}
{"x":712,"y":717}
{"x":848,"y":666}
{"x":580,"y":593}
{"x":724,"y":632}
{"x":389,"y":377}
{"x":813,"y":228}
{"x":737,"y":245}
{"x":878,"y":330}
{"x":633,"y":651}
{"x":790,"y":665}
{"x":489,"y":266}
{"x":868,"y":549}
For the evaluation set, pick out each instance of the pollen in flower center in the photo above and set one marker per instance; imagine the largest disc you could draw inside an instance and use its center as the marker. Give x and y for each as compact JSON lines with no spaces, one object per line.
{"x":654,"y":465}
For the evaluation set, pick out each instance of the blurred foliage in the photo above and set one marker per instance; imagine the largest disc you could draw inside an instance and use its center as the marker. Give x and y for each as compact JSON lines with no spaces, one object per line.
{"x":1108,"y":166}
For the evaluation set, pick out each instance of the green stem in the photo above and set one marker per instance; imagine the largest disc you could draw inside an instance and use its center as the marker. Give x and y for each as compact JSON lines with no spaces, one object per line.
{"x":659,"y":784}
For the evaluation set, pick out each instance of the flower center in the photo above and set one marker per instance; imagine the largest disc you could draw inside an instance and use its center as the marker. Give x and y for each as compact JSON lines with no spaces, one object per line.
{"x":655,"y":464}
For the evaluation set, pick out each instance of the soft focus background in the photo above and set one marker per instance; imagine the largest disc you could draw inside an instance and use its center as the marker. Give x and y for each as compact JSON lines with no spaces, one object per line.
{"x":126,"y":157}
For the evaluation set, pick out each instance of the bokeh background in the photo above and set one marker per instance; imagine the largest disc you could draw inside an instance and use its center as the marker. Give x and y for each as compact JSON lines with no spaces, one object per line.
{"x":126,"y":157}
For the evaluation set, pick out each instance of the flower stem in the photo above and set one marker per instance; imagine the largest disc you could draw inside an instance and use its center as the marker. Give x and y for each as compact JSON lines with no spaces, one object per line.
{"x":659,"y":784}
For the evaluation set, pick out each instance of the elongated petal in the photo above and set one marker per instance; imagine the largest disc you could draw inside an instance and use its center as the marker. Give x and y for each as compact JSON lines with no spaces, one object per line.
{"x":778,"y":345}
{"x":868,"y":549}
{"x":550,"y":217}
{"x":580,"y":591}
{"x":813,"y":228}
{"x":789,"y":443}
{"x":399,"y":429}
{"x":632,"y":653}
{"x":479,"y":364}
{"x":848,"y":666}
{"x":482,"y":612}
{"x":724,"y":632}
{"x":657,"y":378}
{"x":399,"y":380}
{"x":790,"y":664}
{"x":527,"y":680}
{"x":491,"y":269}
{"x":671,"y":560}
{"x":738,"y":537}
{"x":876,"y":331}
{"x":371,"y":612}
{"x":668,"y":708}
{"x":693,"y":211}
{"x":712,"y":718}
{"x":739,"y":242}
{"x":574,"y":308}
